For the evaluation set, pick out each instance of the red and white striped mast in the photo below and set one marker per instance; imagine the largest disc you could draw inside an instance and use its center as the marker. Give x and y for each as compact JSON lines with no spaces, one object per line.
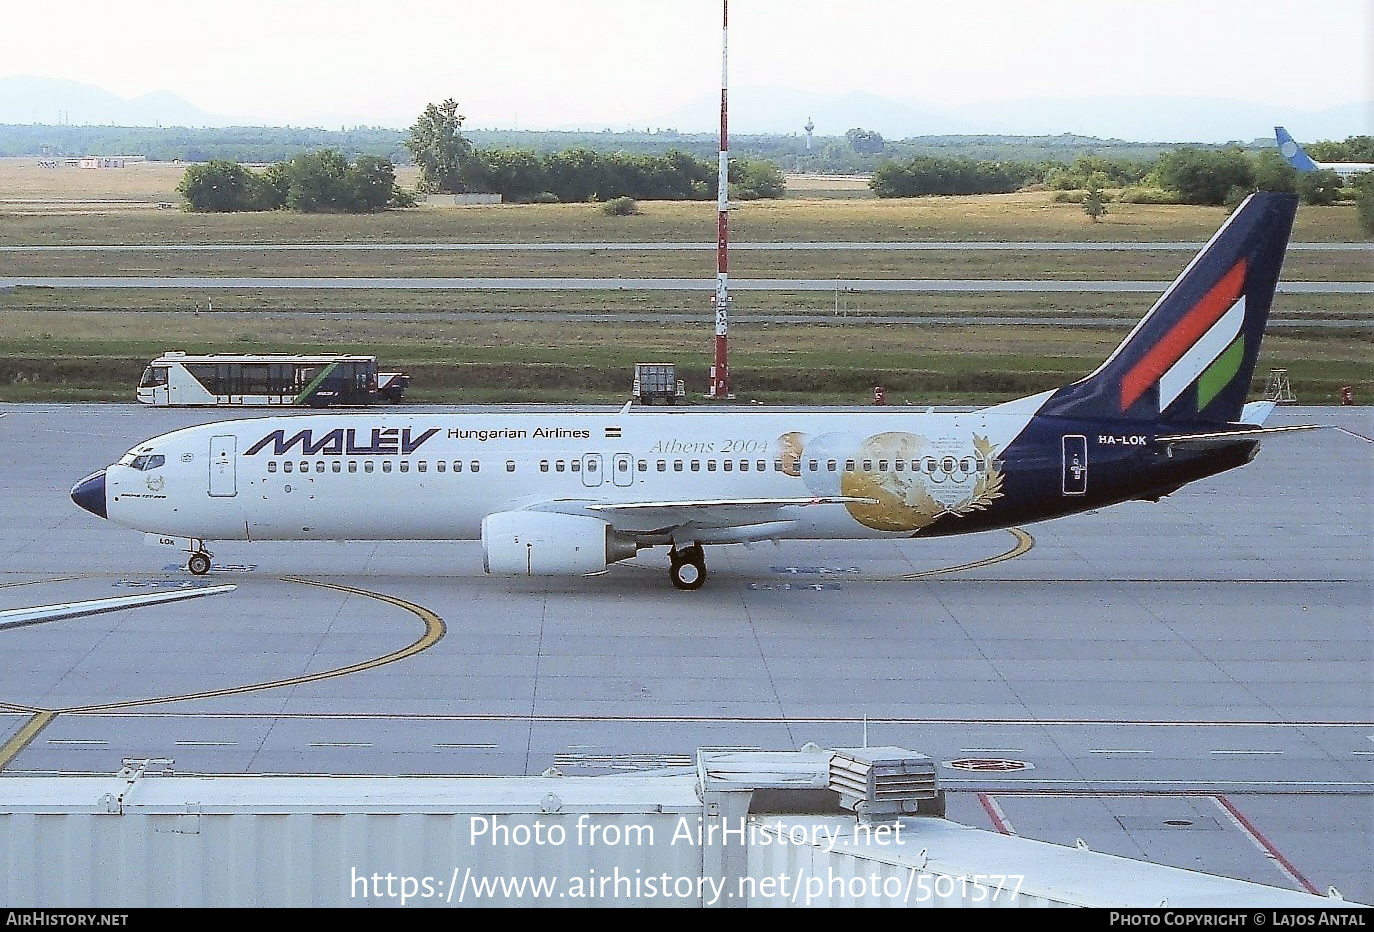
{"x":720,"y":369}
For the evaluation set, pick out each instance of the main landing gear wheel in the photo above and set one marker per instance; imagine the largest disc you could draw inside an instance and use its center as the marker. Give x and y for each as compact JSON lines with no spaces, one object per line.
{"x":687,"y":567}
{"x":199,"y":563}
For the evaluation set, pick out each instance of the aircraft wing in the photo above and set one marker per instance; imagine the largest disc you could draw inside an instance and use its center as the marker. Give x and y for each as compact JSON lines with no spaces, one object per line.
{"x":18,"y":617}
{"x":714,"y":520}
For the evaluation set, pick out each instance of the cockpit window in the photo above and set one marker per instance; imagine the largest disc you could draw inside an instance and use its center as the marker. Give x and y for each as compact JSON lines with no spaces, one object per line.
{"x":148,"y":461}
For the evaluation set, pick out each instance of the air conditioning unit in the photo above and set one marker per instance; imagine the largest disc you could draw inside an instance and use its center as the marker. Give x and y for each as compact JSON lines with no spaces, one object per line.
{"x":885,"y":782}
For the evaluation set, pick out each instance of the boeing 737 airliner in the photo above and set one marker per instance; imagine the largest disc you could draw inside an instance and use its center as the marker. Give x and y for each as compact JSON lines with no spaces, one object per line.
{"x":573,"y":493}
{"x":1296,"y":156}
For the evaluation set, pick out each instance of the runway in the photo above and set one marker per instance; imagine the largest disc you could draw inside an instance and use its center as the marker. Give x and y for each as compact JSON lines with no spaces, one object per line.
{"x":906,"y":246}
{"x":542,"y":283}
{"x":1188,"y":681}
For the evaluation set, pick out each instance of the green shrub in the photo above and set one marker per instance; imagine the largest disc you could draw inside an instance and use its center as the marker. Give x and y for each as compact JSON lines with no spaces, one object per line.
{"x":620,"y":207}
{"x":1146,"y":195}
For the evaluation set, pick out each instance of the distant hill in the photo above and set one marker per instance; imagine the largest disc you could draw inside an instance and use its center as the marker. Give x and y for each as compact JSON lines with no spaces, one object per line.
{"x":1152,"y":119}
{"x":26,"y":99}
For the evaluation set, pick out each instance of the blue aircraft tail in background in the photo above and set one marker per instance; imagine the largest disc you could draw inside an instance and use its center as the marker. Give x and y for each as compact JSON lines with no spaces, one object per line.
{"x":1292,"y":152}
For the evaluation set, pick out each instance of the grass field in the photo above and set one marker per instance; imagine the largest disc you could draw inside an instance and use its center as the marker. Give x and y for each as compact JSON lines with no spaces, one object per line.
{"x":90,"y":344}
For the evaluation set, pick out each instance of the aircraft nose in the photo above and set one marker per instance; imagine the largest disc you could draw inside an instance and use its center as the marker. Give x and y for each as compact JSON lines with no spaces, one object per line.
{"x":89,"y":493}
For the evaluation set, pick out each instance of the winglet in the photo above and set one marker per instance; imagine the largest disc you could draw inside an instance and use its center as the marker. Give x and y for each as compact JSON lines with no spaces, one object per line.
{"x":1257,"y":412}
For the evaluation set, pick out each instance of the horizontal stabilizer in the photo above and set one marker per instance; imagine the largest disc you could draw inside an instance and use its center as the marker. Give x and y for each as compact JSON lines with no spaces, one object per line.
{"x":1217,"y":437}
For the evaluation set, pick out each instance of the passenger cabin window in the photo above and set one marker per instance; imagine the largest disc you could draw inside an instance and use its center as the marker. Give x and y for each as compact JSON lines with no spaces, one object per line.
{"x":474,"y":466}
{"x":386,"y":465}
{"x":510,"y":465}
{"x":367,"y":466}
{"x":405,"y":465}
{"x":271,"y":465}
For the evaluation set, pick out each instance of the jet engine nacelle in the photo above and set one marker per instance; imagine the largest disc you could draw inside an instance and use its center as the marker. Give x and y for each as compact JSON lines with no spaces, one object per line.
{"x":540,"y":543}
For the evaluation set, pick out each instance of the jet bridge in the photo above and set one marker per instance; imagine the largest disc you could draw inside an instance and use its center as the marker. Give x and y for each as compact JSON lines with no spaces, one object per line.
{"x":739,"y":829}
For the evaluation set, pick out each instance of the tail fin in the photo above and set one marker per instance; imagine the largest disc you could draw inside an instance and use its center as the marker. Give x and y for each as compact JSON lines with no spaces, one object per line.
{"x":1191,"y":358}
{"x":1292,"y":152}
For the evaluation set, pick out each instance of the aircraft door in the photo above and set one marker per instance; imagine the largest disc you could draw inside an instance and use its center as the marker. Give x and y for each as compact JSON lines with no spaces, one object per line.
{"x":223,"y":475}
{"x":1075,"y":464}
{"x":591,"y":470}
{"x":623,"y":470}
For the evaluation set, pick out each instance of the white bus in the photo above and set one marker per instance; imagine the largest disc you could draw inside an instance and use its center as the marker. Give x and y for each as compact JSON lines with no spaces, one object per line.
{"x":273,"y":380}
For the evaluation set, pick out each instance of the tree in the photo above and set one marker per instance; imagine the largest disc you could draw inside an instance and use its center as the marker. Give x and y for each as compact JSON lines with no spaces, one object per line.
{"x":1320,"y":188}
{"x":754,"y":178}
{"x":865,"y":140}
{"x":1094,"y":204}
{"x":319,"y":181}
{"x":1202,"y":177}
{"x":1364,"y":201}
{"x":1272,"y":173}
{"x":439,"y":148}
{"x":372,"y":184}
{"x":222,"y":186}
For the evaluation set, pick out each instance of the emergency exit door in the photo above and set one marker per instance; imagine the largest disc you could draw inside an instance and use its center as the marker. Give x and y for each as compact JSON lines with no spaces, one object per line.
{"x":223,"y":476}
{"x":1075,"y":464}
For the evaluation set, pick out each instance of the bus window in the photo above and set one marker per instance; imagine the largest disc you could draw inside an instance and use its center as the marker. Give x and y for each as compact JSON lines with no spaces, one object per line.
{"x":153,"y":377}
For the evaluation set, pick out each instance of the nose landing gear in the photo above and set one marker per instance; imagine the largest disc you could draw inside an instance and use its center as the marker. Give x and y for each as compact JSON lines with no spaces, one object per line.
{"x":687,"y":567}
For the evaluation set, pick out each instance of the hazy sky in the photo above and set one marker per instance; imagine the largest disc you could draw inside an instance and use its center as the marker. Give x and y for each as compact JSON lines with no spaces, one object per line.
{"x":600,"y":62}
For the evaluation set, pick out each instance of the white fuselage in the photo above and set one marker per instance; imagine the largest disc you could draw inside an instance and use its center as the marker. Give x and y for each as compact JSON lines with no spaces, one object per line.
{"x":398,"y":476}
